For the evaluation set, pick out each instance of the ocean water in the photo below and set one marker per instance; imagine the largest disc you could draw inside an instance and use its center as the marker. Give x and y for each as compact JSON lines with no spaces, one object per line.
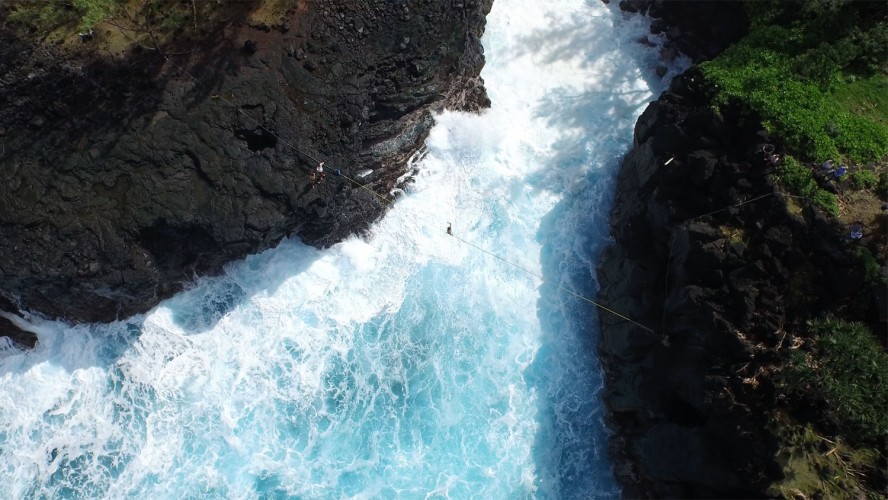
{"x":406,"y":364}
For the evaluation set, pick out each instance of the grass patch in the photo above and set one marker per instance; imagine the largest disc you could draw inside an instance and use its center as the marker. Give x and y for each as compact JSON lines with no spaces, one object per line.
{"x":120,"y":25}
{"x":846,"y":372}
{"x":811,"y":79}
{"x":869,"y":264}
{"x":44,"y":17}
{"x":815,"y":466}
{"x":864,"y":179}
{"x":799,"y":180}
{"x":92,"y":12}
{"x":866,"y":97}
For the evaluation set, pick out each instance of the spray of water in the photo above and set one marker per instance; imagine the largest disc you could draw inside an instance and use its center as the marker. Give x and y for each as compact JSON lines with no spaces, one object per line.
{"x":405,"y":364}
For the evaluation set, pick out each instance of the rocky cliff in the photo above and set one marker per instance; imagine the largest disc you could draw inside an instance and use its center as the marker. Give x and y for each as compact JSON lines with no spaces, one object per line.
{"x":701,"y":282}
{"x":724,"y":267}
{"x":122,"y":177}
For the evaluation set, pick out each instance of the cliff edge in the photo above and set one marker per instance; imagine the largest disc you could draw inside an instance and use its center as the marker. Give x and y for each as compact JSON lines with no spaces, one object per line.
{"x":136,"y":158}
{"x":734,"y":276}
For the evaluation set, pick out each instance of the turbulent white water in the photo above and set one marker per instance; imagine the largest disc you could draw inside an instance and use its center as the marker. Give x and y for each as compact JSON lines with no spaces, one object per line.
{"x":408,"y":364}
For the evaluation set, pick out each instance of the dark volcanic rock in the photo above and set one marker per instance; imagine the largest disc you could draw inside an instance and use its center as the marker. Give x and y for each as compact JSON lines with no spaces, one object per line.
{"x":707,"y":254}
{"x":700,"y":29}
{"x":682,"y":436}
{"x":121,"y":179}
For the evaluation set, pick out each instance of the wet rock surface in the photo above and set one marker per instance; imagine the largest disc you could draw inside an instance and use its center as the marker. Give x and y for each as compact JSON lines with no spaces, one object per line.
{"x":123,"y":179}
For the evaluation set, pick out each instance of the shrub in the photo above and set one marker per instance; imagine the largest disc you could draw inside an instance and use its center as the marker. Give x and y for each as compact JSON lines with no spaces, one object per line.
{"x":847,"y":370}
{"x":40,"y":17}
{"x":94,"y":11}
{"x":799,"y":180}
{"x":795,"y":70}
{"x":873,"y":47}
{"x":45,"y":16}
{"x":827,"y":202}
{"x":864,"y":179}
{"x":869,"y":263}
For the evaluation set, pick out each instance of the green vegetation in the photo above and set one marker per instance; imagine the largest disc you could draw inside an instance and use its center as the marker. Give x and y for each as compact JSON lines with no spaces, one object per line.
{"x":846,"y":372}
{"x":93,"y":12}
{"x":815,"y":466}
{"x":130,"y":16}
{"x":815,"y":74}
{"x":40,"y":17}
{"x":864,"y":179}
{"x":174,"y":20}
{"x":869,"y":264}
{"x":799,"y":180}
{"x":866,"y":96}
{"x":841,"y":374}
{"x":46,"y":16}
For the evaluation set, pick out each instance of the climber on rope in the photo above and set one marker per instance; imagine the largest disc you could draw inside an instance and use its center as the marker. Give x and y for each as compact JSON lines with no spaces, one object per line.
{"x":449,"y":229}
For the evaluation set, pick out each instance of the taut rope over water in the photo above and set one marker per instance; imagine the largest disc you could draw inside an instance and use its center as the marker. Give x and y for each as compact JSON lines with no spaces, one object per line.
{"x":387,"y":200}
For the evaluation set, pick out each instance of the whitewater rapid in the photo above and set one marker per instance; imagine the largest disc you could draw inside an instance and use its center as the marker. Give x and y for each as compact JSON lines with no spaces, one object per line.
{"x":407,"y":364}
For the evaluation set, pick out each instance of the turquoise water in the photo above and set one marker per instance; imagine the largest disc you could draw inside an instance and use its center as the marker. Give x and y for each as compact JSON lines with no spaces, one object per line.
{"x":406,"y":364}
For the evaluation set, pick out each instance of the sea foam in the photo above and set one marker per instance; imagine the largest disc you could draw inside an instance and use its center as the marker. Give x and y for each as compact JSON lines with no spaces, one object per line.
{"x":408,"y":363}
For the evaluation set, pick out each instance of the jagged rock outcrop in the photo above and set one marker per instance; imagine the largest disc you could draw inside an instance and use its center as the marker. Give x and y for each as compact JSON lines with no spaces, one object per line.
{"x":709,"y":254}
{"x":123,"y":178}
{"x":700,"y":30}
{"x":725,"y":269}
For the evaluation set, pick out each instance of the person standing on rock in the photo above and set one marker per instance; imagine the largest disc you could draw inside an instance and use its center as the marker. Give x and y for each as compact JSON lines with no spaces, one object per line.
{"x":320,"y":171}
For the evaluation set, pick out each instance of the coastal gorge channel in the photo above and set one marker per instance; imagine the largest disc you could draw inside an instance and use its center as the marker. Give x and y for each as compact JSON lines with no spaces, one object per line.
{"x":410,"y":248}
{"x":342,"y":353}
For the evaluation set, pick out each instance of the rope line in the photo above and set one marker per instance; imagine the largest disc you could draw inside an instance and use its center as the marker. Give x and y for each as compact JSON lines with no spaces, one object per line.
{"x":388,"y":200}
{"x":672,"y":243}
{"x":672,"y":246}
{"x":560,"y":287}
